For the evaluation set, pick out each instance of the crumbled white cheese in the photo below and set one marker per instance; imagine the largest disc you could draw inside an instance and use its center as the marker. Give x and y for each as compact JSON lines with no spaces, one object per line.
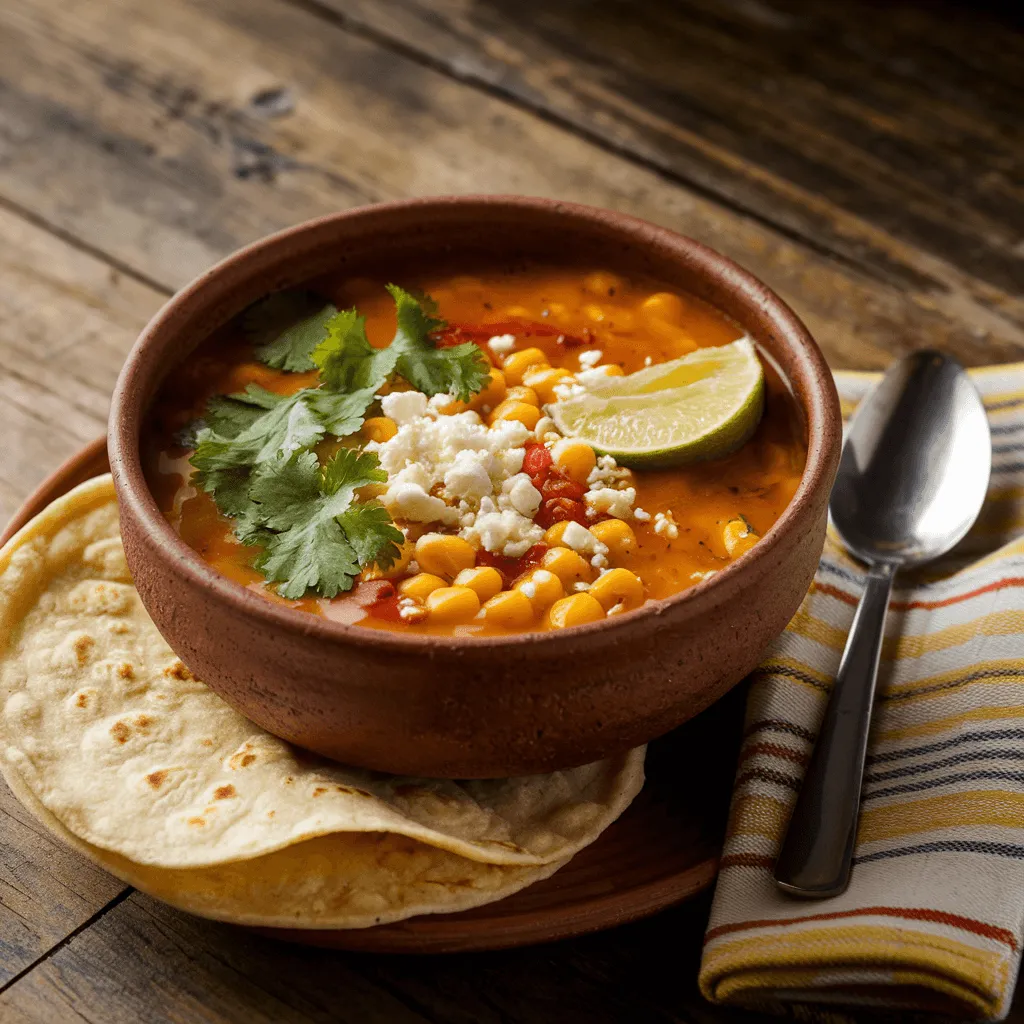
{"x":502,"y":344}
{"x":665,"y":525}
{"x":580,"y":539}
{"x":590,"y":358}
{"x":404,"y":406}
{"x":641,"y":515}
{"x":505,"y":531}
{"x":529,"y":588}
{"x":608,"y":473}
{"x":698,"y":576}
{"x":580,"y":586}
{"x":410,"y":610}
{"x":599,"y":561}
{"x":648,"y":360}
{"x":595,"y":375}
{"x":525,"y":498}
{"x":570,"y":389}
{"x":408,"y":500}
{"x":440,"y":402}
{"x":611,"y":501}
{"x":469,"y":478}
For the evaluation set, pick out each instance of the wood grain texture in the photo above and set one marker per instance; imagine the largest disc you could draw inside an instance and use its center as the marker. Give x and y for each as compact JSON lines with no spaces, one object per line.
{"x":888,"y":134}
{"x":46,"y":890}
{"x":143,"y":129}
{"x":67,"y":320}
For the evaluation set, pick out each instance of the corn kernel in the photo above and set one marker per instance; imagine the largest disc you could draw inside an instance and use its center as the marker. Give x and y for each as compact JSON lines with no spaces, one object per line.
{"x":576,"y":458}
{"x":379,"y":428}
{"x":485,"y":581}
{"x":521,"y":393}
{"x":519,"y":362}
{"x":453,"y":408}
{"x":618,"y":587}
{"x":595,"y":314}
{"x":528,"y":415}
{"x":452,"y":604}
{"x":621,"y":321}
{"x":492,"y":394}
{"x":420,"y":586}
{"x":553,"y":536}
{"x":601,"y":282}
{"x":511,"y":609}
{"x":664,"y":306}
{"x":542,"y":587}
{"x":617,"y":535}
{"x":444,"y":555}
{"x":544,"y":380}
{"x":738,"y":537}
{"x":575,"y":610}
{"x":375,"y":572}
{"x":568,"y":565}
{"x":611,"y":370}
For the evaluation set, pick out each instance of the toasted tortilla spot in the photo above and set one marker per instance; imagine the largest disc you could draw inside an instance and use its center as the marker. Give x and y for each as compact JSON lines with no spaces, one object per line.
{"x":120,"y":731}
{"x":319,"y":791}
{"x":82,"y":699}
{"x":143,"y":722}
{"x":126,"y":671}
{"x":178,"y":671}
{"x":224,"y":792}
{"x":156,"y":779}
{"x":197,"y":822}
{"x":83,"y":645}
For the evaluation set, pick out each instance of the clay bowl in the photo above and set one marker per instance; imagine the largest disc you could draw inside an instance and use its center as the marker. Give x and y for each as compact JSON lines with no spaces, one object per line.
{"x":458,"y":707}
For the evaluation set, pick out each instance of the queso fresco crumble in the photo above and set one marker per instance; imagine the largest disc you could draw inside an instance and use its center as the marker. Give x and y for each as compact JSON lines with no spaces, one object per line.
{"x":414,"y":477}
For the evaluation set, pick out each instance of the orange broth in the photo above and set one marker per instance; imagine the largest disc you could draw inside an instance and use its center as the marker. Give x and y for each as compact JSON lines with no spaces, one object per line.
{"x":604,"y":311}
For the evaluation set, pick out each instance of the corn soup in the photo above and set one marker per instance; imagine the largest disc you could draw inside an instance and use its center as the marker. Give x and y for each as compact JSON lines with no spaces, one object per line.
{"x":418,"y":482}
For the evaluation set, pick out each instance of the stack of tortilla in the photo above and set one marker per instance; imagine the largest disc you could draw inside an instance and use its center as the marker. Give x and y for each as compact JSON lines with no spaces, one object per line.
{"x":113,"y":744}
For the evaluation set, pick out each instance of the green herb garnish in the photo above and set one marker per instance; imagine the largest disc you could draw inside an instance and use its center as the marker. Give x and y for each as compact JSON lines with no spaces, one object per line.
{"x":254,"y":451}
{"x":286,"y":327}
{"x":317,"y":537}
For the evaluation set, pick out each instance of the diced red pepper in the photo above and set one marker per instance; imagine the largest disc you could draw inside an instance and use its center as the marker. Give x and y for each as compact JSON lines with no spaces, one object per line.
{"x":561,"y":510}
{"x":536,"y":462}
{"x":558,"y":486}
{"x":512,"y":568}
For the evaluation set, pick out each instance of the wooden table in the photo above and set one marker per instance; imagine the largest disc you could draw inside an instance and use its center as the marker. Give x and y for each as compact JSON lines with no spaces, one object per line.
{"x":864,"y":159}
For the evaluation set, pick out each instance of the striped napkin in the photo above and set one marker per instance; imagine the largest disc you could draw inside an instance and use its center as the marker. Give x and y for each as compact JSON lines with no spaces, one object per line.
{"x":934,"y":915}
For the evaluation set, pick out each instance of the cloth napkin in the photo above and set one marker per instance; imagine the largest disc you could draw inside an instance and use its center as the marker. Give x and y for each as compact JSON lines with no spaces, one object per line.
{"x":934,"y":915}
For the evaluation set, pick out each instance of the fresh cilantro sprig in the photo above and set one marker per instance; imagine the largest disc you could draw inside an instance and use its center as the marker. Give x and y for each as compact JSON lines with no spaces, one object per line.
{"x":316,"y":537}
{"x":254,"y":451}
{"x":286,"y":327}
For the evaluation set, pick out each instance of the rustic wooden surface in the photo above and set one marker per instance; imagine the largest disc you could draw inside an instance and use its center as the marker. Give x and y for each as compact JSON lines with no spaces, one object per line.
{"x":866,"y":159}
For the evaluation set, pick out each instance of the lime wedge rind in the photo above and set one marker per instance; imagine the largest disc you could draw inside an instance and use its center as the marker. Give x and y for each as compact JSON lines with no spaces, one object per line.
{"x":641,"y":424}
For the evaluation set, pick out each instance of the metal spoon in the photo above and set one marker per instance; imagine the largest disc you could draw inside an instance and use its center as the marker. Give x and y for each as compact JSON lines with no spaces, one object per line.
{"x":911,"y":482}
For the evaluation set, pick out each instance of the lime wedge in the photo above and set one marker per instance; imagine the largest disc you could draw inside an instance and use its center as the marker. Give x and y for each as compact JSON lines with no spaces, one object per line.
{"x":702,"y":406}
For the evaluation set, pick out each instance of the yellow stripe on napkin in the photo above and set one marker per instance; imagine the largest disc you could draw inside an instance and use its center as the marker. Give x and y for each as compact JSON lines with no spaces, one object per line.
{"x":935,"y":909}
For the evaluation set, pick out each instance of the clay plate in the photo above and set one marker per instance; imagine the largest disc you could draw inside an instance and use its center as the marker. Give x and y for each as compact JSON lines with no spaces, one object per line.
{"x":663,"y":850}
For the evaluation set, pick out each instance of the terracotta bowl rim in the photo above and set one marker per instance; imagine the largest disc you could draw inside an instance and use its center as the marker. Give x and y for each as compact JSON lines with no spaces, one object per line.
{"x":824,"y":429}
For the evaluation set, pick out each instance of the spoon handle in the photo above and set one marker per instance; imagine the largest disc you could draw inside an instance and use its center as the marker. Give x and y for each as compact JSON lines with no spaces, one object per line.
{"x":815,"y":858}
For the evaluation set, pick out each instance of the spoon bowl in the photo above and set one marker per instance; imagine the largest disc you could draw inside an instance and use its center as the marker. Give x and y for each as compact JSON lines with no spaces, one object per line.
{"x":915,"y":465}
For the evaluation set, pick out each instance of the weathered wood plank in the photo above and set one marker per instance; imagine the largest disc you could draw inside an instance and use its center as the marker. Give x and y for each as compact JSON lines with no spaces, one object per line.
{"x":46,"y":890}
{"x":66,"y":322}
{"x":876,"y":132}
{"x":170,"y":161}
{"x":143,"y":961}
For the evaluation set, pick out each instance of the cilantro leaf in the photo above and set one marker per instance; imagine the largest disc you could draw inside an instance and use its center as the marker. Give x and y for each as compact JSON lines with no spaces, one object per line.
{"x":372,"y":534}
{"x":286,"y":327}
{"x":257,"y":426}
{"x":347,"y":360}
{"x":306,"y":506}
{"x":460,"y":371}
